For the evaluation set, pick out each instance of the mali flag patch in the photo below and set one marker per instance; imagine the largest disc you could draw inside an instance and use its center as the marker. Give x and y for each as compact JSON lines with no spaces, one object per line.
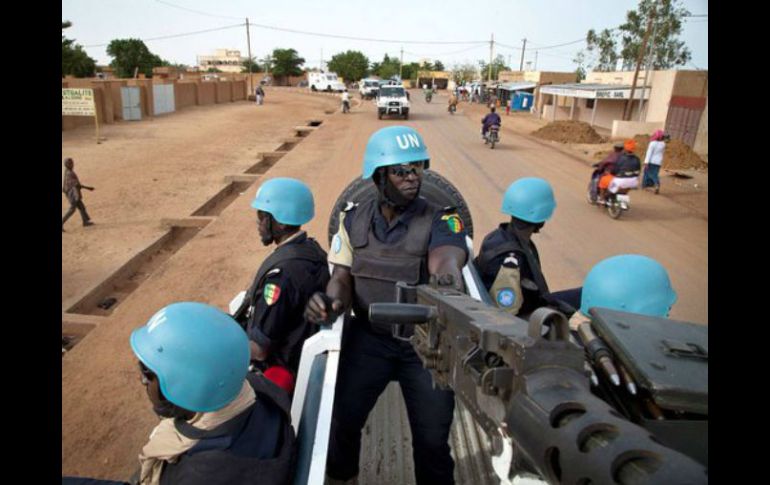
{"x":454,"y":223}
{"x":272,"y":293}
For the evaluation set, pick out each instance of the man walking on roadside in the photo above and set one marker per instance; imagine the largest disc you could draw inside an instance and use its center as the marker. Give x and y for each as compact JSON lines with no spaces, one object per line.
{"x":71,"y":189}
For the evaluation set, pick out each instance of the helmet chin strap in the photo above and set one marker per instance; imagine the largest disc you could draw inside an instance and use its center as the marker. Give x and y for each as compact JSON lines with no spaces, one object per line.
{"x":276,"y":233}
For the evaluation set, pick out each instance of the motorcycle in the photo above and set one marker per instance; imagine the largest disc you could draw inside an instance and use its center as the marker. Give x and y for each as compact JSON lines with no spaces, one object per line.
{"x":452,"y":108}
{"x":617,"y":203}
{"x":346,"y":106}
{"x":428,"y":97}
{"x":492,"y":136}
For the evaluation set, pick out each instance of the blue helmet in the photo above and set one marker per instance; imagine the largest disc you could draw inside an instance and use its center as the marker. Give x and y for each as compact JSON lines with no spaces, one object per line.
{"x":394,"y":145}
{"x":288,"y":200}
{"x":629,"y":283}
{"x":199,"y":353}
{"x":529,"y":199}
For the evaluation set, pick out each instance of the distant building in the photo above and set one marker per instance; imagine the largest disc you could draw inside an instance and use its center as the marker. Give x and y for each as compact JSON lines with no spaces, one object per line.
{"x":226,"y":60}
{"x":674,"y":100}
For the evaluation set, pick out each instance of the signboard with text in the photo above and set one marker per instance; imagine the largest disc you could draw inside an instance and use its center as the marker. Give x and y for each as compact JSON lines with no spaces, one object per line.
{"x":77,"y":102}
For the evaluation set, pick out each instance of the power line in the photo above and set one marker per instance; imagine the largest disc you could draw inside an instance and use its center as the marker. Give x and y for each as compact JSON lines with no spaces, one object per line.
{"x":445,"y":53}
{"x":197,"y":11}
{"x":347,"y":37}
{"x":178,"y":35}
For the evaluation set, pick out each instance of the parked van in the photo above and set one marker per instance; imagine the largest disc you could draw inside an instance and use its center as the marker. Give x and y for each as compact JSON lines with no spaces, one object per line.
{"x":324,"y":81}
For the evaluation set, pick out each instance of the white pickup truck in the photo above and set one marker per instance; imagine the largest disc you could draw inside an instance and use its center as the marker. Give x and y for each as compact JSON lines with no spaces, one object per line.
{"x":392,"y":100}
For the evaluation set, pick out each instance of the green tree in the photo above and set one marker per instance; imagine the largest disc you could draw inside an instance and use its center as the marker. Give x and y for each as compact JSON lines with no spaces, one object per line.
{"x":351,"y":65}
{"x":213,"y":69}
{"x":580,"y":60}
{"x":438,"y":66}
{"x":388,"y":68}
{"x":464,"y":72}
{"x":498,"y":64}
{"x":410,"y":71}
{"x":250,"y":65}
{"x":130,"y":54}
{"x":286,"y":62}
{"x":667,"y":50}
{"x":74,"y":60}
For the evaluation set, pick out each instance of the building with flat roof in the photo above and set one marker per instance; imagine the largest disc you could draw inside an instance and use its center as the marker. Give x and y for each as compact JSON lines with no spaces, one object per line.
{"x":226,"y":60}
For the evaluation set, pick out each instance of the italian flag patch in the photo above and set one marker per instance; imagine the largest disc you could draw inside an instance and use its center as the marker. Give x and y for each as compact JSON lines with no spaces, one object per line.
{"x":454,"y":223}
{"x":272,"y":293}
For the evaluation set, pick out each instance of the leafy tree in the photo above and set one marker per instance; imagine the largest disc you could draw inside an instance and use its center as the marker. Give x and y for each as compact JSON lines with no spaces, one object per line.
{"x":286,"y":62}
{"x":580,"y":60}
{"x":464,"y":72}
{"x":213,"y":69}
{"x":410,"y":71}
{"x":130,"y":54}
{"x":388,"y":68}
{"x":667,"y":50}
{"x":498,"y":64}
{"x":250,"y":65}
{"x":438,"y":66}
{"x":74,"y":60}
{"x":351,"y":65}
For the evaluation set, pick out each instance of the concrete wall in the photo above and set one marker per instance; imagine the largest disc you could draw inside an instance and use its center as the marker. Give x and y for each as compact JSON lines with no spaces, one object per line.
{"x":224,"y":93}
{"x":701,"y":145}
{"x":660,"y":96}
{"x":206,"y":93}
{"x":629,"y":129}
{"x":185,"y":94}
{"x":239,"y":90}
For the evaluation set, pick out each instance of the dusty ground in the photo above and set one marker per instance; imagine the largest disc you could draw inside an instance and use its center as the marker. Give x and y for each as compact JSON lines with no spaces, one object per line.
{"x":170,"y":166}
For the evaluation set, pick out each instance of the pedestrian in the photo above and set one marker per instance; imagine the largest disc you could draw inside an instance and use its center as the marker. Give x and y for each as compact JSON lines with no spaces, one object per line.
{"x":397,"y":236}
{"x":272,"y":311}
{"x":220,"y":424}
{"x":653,"y":160}
{"x":509,"y":263}
{"x":509,"y":105}
{"x":71,"y":188}
{"x":259,"y":95}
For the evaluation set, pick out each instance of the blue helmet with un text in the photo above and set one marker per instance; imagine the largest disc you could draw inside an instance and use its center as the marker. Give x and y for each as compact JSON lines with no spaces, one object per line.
{"x":394,"y":145}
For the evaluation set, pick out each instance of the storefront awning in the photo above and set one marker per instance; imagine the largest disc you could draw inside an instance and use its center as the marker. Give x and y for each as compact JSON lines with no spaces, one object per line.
{"x":517,"y":86}
{"x":595,"y":91}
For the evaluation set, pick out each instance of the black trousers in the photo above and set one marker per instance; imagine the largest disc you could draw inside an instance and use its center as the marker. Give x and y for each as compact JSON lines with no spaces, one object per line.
{"x":367,"y":364}
{"x":76,"y":206}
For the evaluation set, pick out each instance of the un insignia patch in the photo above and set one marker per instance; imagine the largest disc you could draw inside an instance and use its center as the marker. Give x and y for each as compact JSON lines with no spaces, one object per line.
{"x":336,"y":244}
{"x":506,"y":297}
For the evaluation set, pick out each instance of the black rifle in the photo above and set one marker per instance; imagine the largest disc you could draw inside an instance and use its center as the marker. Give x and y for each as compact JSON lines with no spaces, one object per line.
{"x":530,"y":392}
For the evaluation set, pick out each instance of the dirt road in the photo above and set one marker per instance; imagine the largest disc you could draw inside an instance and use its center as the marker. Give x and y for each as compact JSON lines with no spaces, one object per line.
{"x":169,"y":167}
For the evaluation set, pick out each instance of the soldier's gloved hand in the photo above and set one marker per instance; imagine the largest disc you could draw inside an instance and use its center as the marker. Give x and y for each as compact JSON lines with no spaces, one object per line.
{"x":321,"y":309}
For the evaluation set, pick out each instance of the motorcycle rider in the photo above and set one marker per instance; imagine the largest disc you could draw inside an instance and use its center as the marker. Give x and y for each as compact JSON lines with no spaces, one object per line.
{"x":345,"y":101}
{"x":452,"y":102}
{"x":490,"y":119}
{"x":601,"y":176}
{"x":428,"y":92}
{"x":625,"y":172}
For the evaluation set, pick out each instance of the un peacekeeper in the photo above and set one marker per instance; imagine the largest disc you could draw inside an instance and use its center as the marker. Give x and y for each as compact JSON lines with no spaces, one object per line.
{"x":219,"y":423}
{"x":509,"y":264}
{"x":398,"y":236}
{"x":628,"y":283}
{"x":297,"y":268}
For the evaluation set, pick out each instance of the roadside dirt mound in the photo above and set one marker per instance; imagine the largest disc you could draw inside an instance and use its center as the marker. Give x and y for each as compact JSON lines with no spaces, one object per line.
{"x":567,"y":131}
{"x":678,"y":156}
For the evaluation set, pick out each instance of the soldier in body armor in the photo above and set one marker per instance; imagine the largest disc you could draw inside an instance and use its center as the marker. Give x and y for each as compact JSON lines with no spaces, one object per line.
{"x":398,"y":236}
{"x":272,"y":312}
{"x":509,"y":264}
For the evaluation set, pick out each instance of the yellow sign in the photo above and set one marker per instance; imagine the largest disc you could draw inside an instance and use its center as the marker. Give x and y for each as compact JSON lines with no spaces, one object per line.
{"x":77,"y":102}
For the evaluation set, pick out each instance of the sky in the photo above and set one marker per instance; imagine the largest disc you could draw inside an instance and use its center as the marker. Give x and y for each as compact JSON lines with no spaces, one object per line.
{"x":444,"y":30}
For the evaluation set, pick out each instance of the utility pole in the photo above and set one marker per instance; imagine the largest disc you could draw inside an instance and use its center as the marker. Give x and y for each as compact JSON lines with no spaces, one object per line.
{"x":521,"y":64}
{"x":491,"y":47}
{"x":401,"y":66}
{"x":322,"y":60}
{"x":629,"y":103}
{"x":535,"y":60}
{"x":650,"y":56}
{"x":248,"y":43}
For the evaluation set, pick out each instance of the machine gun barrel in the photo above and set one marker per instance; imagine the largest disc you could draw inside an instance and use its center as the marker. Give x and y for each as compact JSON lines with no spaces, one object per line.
{"x":531,"y":390}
